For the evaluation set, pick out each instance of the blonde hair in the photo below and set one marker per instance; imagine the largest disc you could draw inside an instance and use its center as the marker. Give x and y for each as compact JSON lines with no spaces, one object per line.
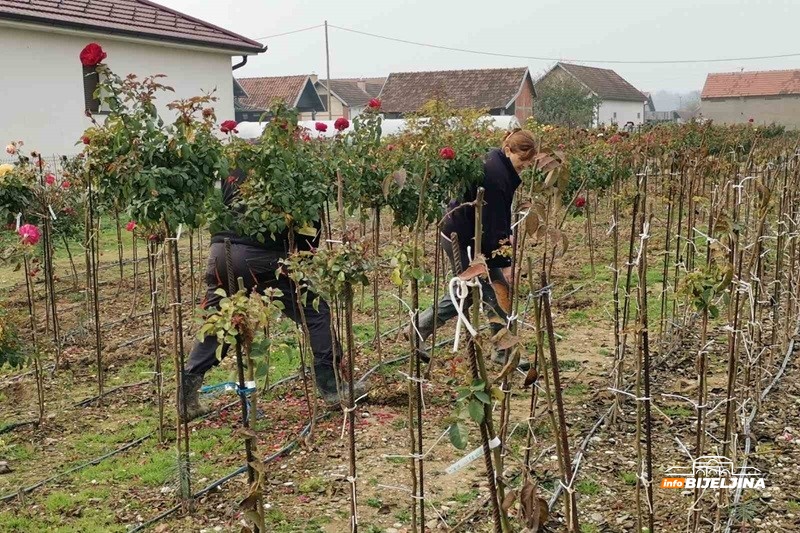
{"x":521,"y":143}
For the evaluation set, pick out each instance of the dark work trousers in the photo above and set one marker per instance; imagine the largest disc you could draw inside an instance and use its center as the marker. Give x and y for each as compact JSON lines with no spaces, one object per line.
{"x":257,"y":268}
{"x":446,"y":309}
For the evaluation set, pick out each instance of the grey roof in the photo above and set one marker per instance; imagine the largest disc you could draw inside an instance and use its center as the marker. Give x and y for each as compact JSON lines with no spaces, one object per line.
{"x":605,"y":83}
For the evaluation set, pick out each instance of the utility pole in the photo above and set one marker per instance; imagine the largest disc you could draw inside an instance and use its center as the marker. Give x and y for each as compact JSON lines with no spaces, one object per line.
{"x":328,"y":68}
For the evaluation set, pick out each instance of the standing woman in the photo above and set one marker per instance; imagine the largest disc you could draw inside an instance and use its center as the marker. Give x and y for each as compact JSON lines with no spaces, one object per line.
{"x":501,"y":170}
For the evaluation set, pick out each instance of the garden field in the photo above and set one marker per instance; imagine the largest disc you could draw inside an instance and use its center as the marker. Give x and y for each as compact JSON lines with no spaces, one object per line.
{"x":653,"y":288}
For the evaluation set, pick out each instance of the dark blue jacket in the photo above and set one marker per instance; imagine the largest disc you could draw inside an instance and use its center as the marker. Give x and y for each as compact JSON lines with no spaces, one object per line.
{"x":500,"y":181}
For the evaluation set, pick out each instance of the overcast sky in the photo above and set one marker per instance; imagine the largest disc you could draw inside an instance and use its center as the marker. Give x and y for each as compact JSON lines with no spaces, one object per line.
{"x":571,"y":30}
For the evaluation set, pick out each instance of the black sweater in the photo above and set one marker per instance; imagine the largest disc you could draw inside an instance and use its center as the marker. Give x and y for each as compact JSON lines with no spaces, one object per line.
{"x":500,"y":181}
{"x":279,"y":244}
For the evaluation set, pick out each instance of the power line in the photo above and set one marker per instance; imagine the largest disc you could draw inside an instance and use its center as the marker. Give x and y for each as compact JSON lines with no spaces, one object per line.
{"x":288,"y":32}
{"x":538,"y":58}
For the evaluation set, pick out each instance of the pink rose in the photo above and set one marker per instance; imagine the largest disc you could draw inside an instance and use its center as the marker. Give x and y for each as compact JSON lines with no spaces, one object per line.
{"x":29,"y":234}
{"x":130,"y":226}
{"x":66,"y":184}
{"x":49,"y":179}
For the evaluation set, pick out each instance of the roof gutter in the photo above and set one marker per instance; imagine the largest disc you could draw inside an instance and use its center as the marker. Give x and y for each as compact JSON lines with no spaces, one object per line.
{"x":241,"y":63}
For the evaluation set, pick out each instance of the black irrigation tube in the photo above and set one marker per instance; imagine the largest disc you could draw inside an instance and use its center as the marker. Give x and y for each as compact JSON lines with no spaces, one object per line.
{"x":14,"y":425}
{"x":215,"y":484}
{"x":87,"y":401}
{"x":95,"y":461}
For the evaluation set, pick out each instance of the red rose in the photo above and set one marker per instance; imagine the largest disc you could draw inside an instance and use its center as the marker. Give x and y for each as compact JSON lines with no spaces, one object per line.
{"x":321,"y":127}
{"x":229,"y":126}
{"x":374,"y":104}
{"x":85,"y":139}
{"x":49,"y":179}
{"x":130,"y":226}
{"x":580,"y":201}
{"x":750,"y":120}
{"x":231,"y":179}
{"x":66,"y":184}
{"x":390,"y":147}
{"x":341,"y":124}
{"x":614,"y":139}
{"x":447,"y":153}
{"x":92,"y":55}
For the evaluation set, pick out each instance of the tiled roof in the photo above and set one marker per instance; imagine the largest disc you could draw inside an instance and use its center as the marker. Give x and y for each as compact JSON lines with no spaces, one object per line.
{"x":349,"y":92}
{"x":134,"y":18}
{"x":406,"y":92}
{"x":605,"y":83}
{"x":761,"y":83}
{"x":262,"y":92}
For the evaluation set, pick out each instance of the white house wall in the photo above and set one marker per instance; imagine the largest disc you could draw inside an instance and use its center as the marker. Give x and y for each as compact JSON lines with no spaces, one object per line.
{"x":42,"y":100}
{"x":620,"y":113}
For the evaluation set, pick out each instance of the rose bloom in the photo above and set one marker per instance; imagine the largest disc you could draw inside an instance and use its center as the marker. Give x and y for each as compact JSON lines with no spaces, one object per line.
{"x":11,"y":149}
{"x":85,"y":139}
{"x":49,"y":179}
{"x":130,"y":226}
{"x":374,"y":103}
{"x":29,"y":234}
{"x":390,"y":147}
{"x":66,"y":184}
{"x":92,"y":55}
{"x":6,"y":168}
{"x":580,"y":201}
{"x":229,"y":126}
{"x":447,"y":153}
{"x":750,"y":120}
{"x":614,"y":139}
{"x":341,"y":124}
{"x":321,"y":127}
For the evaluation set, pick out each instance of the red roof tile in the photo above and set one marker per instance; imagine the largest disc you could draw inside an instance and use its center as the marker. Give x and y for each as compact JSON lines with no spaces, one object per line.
{"x":761,"y":83}
{"x":406,"y":92}
{"x":136,"y":18}
{"x":262,"y":92}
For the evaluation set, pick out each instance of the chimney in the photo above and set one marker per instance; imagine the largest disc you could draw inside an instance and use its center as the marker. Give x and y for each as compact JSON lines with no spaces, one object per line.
{"x":313,"y":77}
{"x":362,"y":84}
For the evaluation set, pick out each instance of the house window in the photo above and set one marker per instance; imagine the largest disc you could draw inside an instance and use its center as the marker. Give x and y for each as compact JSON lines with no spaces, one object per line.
{"x":638,"y":115}
{"x":615,"y":114}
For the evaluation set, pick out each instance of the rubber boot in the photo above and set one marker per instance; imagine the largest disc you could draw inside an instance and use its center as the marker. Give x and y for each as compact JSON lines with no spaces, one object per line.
{"x":501,"y":358}
{"x":326,"y":385}
{"x":190,"y":395}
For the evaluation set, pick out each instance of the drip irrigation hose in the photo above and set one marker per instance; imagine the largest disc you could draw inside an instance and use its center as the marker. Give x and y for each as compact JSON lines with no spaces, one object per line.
{"x":241,"y":470}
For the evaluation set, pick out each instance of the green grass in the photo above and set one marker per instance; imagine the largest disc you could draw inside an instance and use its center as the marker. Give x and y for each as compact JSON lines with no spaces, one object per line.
{"x":588,"y":528}
{"x":375,"y":503}
{"x":629,"y":478}
{"x":403,"y":515}
{"x":604,"y":352}
{"x":579,"y":317}
{"x":466,"y":497}
{"x":793,"y":506}
{"x":678,"y":411}
{"x":588,"y":487}
{"x":312,"y":485}
{"x":577,"y":389}
{"x":567,"y":365}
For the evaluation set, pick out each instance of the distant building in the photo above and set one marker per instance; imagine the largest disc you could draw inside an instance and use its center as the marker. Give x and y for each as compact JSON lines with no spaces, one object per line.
{"x":651,"y":116}
{"x":296,"y":92}
{"x":46,"y":91}
{"x":621,"y":102}
{"x":771,"y":96}
{"x":349,"y":96}
{"x":502,"y":91}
